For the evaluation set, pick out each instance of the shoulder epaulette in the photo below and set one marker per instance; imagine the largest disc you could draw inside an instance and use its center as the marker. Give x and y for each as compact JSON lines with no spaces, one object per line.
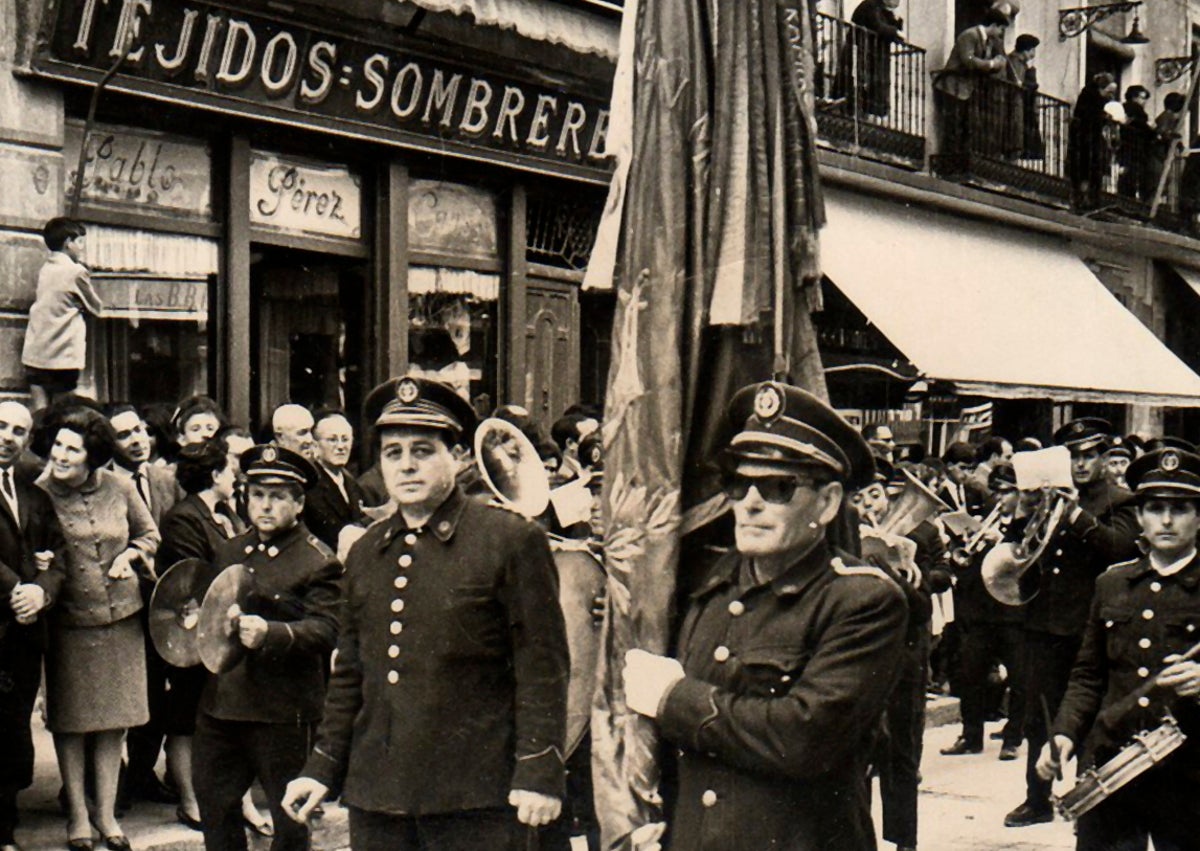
{"x":842,"y":569}
{"x":1129,"y":563}
{"x":320,"y":546}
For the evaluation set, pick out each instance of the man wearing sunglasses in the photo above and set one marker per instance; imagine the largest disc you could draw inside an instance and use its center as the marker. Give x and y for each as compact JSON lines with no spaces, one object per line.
{"x":788,"y":651}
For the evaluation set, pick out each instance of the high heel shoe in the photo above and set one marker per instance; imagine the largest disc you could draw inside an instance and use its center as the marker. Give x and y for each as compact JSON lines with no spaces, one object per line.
{"x":186,"y":820}
{"x":83,"y":843}
{"x":117,"y":842}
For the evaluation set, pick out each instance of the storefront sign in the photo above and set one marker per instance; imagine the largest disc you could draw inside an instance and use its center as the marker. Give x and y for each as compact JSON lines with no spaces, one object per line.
{"x":304,"y":198}
{"x":151,"y":172}
{"x":450,"y":218}
{"x":204,"y":53}
{"x":133,"y":297}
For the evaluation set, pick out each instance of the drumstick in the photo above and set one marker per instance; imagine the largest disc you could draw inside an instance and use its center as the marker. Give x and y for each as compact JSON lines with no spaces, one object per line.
{"x":1054,"y":752}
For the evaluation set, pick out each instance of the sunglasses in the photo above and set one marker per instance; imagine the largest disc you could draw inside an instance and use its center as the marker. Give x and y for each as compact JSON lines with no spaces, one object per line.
{"x":776,"y":490}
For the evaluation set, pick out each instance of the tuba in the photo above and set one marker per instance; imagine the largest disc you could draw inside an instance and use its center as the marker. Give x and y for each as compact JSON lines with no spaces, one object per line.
{"x":885,"y":542}
{"x":511,"y":468}
{"x":1006,"y":568}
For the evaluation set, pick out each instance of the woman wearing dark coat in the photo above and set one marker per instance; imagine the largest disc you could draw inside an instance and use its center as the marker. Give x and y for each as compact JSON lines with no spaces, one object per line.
{"x":1087,"y":144}
{"x":1136,"y":146}
{"x":868,"y":51}
{"x":192,"y":529}
{"x":95,"y":661}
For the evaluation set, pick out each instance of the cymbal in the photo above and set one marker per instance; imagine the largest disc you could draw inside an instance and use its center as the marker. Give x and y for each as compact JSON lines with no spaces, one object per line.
{"x":175,"y":611}
{"x":217,"y":634}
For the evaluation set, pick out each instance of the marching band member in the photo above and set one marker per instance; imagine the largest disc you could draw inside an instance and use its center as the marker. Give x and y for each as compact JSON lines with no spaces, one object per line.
{"x":445,"y":720}
{"x":789,"y":651}
{"x":1145,"y":615}
{"x":1099,"y":527}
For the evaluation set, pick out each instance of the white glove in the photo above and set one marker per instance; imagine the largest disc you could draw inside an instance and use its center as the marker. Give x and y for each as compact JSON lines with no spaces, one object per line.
{"x":647,"y":678}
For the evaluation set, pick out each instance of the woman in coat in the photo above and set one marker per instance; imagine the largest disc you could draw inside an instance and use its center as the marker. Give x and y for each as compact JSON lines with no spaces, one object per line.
{"x":865,"y":67}
{"x":95,"y":663}
{"x":1087,"y":145}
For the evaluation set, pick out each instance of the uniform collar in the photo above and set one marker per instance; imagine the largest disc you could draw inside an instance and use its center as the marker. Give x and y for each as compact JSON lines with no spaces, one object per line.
{"x":276,"y":545}
{"x":442,"y":524}
{"x":793,"y":581}
{"x":1188,"y":577}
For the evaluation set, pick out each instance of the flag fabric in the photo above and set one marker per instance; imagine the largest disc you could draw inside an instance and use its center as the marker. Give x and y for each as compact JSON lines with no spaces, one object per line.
{"x":709,"y":240}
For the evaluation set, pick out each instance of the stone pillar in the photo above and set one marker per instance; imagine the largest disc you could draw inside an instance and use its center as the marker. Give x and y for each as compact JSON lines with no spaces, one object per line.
{"x":31,"y":172}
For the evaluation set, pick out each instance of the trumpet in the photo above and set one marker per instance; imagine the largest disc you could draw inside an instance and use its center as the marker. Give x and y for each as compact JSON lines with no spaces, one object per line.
{"x":1006,"y":565}
{"x":982,"y":536}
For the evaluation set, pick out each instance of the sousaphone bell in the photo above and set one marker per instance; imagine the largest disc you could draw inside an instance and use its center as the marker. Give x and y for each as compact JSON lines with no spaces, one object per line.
{"x":511,"y":467}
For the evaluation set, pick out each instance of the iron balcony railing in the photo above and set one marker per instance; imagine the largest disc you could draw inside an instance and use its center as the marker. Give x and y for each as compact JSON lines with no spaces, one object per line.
{"x":871,"y":92}
{"x":1005,"y":134}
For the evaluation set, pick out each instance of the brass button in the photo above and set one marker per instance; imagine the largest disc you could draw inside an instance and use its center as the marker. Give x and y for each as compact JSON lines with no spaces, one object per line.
{"x":397,"y":606}
{"x":1144,"y":644}
{"x":404,"y":560}
{"x":1191,"y":627}
{"x":721,"y":654}
{"x":1155,"y":586}
{"x":737,"y":608}
{"x":393,"y":651}
{"x":1143,"y":701}
{"x":401,"y":582}
{"x":410,"y":539}
{"x":444,"y":527}
{"x":1056,"y":571}
{"x":393,"y":677}
{"x":1143,"y":672}
{"x":709,"y":798}
{"x":396,"y":627}
{"x":1148,"y":614}
{"x":1058,"y":552}
{"x":1108,"y":624}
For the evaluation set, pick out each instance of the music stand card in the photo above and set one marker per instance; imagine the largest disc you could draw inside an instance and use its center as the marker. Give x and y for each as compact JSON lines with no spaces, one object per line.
{"x":1043,"y":468}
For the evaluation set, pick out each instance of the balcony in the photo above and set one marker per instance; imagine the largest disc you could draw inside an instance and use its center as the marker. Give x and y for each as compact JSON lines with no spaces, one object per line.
{"x":1006,"y":138}
{"x":870,"y":93}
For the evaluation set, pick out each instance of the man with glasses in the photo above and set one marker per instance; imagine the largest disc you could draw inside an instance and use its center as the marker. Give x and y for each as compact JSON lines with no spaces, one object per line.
{"x":336,"y":501}
{"x":788,"y":652}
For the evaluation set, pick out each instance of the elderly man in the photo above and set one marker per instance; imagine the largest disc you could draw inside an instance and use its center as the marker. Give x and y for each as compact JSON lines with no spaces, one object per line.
{"x":1135,"y":667}
{"x":336,"y":500}
{"x":1099,"y":528}
{"x":446,"y":714}
{"x":31,"y":571}
{"x":788,"y":652}
{"x":292,"y":426}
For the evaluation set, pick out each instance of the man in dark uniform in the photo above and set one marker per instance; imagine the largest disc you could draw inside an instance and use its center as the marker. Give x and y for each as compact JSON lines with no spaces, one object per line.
{"x":788,"y":652}
{"x":257,"y":719}
{"x":1131,"y":671}
{"x":446,"y":714}
{"x":31,"y":572}
{"x":1099,"y":528}
{"x":991,"y":631}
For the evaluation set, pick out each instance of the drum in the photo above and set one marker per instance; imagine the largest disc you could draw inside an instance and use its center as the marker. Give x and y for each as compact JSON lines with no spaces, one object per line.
{"x":581,"y":580}
{"x":1147,"y":749}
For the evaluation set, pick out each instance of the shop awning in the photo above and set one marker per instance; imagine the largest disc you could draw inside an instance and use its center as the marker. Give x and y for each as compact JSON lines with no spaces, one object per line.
{"x":997,"y":311}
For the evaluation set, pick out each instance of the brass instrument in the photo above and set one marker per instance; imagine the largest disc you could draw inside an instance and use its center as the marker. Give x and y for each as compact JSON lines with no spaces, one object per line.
{"x":511,"y":468}
{"x":980,"y":538}
{"x":1006,"y":567}
{"x":885,"y":541}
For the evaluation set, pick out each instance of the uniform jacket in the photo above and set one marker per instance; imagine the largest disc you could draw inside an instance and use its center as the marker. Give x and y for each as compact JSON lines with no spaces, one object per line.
{"x":326,"y":511}
{"x":776,"y":717}
{"x":56,"y":337}
{"x":295,"y":589}
{"x":99,"y":520}
{"x":1105,"y":532}
{"x":971,"y":59}
{"x":1137,"y":617}
{"x":189,"y":531}
{"x":451,"y":677}
{"x":34,"y":531}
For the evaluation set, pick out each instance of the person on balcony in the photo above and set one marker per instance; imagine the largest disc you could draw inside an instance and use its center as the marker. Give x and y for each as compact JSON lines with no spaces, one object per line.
{"x":1087,"y":144}
{"x":865,"y":66}
{"x":958,"y":86}
{"x":1134,"y":149}
{"x":1166,"y":136}
{"x":1023,"y":139}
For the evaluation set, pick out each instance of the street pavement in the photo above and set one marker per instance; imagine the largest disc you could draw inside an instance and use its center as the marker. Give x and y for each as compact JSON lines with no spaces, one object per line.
{"x":962,"y":805}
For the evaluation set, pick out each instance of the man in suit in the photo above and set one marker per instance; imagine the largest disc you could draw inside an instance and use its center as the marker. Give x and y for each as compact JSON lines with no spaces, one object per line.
{"x":256,"y":719}
{"x":973,"y":59}
{"x":446,"y":717}
{"x":156,"y":486}
{"x":292,"y":428}
{"x":31,"y":571}
{"x":960,"y":491}
{"x":1099,"y":528}
{"x":336,"y":500}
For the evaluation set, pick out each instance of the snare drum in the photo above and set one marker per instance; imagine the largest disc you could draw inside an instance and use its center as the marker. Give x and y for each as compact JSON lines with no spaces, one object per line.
{"x":1147,"y":749}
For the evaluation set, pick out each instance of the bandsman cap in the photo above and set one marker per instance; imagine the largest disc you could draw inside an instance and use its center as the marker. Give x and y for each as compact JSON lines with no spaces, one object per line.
{"x":268,"y":464}
{"x":420,"y":403}
{"x":1165,"y":474}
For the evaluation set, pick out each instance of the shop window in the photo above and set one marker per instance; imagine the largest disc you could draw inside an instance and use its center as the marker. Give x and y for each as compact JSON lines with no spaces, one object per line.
{"x":453,"y":330}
